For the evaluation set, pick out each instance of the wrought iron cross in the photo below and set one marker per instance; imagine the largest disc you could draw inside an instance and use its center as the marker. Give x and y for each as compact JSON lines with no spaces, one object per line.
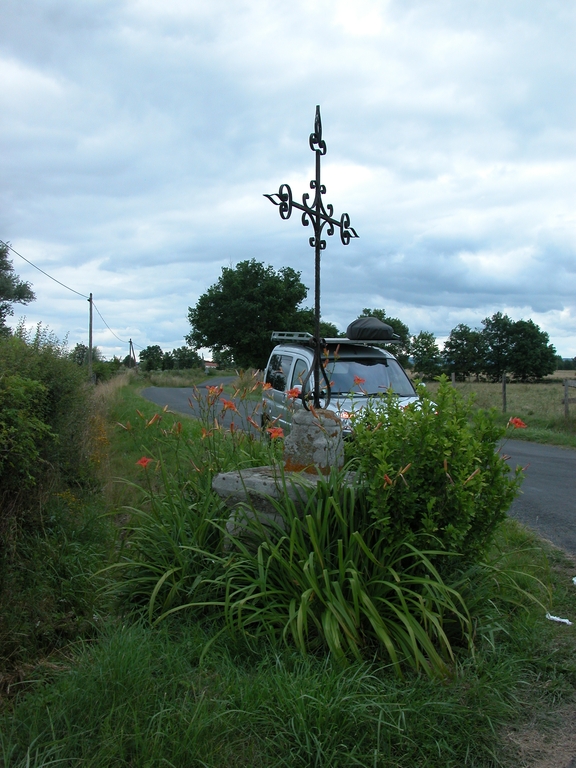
{"x":315,"y":213}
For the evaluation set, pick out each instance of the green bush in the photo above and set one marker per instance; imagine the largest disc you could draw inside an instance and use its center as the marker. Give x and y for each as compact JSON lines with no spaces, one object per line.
{"x":433,"y":470}
{"x":45,"y":429}
{"x":23,"y":433}
{"x":62,"y":403}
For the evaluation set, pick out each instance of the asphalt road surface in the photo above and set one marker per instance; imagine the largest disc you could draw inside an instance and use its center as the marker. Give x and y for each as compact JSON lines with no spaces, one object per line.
{"x":547,"y":503}
{"x":182,"y":400}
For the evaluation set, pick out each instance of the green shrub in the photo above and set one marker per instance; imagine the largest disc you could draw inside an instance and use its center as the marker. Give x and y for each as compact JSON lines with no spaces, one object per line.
{"x":61,"y":400}
{"x":433,"y":469}
{"x":45,"y":434}
{"x":23,"y":433}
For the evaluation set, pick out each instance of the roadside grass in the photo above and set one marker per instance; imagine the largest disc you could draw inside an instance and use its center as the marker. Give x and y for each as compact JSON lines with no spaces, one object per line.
{"x":126,"y":693}
{"x":538,"y":404}
{"x":143,"y":696}
{"x":49,"y":594}
{"x":189,"y":377}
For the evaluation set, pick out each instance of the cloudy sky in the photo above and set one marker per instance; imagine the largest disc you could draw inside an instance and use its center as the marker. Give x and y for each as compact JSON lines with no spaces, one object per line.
{"x":137,"y":138}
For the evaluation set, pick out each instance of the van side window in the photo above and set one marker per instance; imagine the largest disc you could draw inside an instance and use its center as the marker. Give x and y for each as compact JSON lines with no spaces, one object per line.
{"x":299,"y":373}
{"x":278,"y":370}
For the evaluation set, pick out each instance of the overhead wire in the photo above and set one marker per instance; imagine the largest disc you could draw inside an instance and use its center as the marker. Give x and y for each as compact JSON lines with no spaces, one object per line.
{"x":88,"y":298}
{"x":41,"y":270}
{"x":110,"y":329}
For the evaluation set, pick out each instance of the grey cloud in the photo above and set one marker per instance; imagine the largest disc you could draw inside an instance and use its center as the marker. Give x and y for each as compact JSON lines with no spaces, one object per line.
{"x":147,"y":132}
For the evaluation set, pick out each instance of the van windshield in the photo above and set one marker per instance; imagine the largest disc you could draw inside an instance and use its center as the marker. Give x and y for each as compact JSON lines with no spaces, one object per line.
{"x":368,"y":377}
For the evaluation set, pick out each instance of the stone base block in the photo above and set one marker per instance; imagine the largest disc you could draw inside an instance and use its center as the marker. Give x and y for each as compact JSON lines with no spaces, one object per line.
{"x":249,"y":493}
{"x":315,"y":443}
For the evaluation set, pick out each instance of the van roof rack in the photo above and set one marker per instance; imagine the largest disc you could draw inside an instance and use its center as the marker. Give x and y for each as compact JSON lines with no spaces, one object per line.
{"x":303,"y":337}
{"x":298,"y":336}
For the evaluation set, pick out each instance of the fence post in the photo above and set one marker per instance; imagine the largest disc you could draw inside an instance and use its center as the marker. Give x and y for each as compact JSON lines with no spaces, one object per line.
{"x":567,"y":400}
{"x":504,"y":392}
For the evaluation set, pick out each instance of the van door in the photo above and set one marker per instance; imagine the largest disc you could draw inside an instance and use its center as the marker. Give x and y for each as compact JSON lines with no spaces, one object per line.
{"x":278,"y":374}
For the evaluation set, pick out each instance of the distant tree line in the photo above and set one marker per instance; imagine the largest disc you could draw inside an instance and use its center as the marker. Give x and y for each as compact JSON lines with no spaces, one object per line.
{"x":152,"y":358}
{"x":502,"y":346}
{"x":236,"y":315}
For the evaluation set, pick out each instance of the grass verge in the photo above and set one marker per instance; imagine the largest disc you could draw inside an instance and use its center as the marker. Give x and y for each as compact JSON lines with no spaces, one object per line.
{"x":130,"y":694}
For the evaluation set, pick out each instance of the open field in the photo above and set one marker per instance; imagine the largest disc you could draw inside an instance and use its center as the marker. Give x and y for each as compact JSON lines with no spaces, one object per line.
{"x":539,"y":405}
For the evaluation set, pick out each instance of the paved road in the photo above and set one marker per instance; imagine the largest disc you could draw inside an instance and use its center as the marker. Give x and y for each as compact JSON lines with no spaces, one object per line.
{"x":182,"y":400}
{"x":548,"y":500}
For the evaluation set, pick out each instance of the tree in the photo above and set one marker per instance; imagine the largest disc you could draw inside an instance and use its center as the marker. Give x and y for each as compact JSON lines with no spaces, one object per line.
{"x":239,"y":312}
{"x":184,"y":357}
{"x":464,"y":351}
{"x":308,"y":322}
{"x":402,"y":350}
{"x":497,"y":334}
{"x":129,"y":362}
{"x":12,"y":290}
{"x":79,"y":354}
{"x":519,"y":348}
{"x":151,"y":357}
{"x":223,"y":359}
{"x":426,"y":355}
{"x":531,"y":354}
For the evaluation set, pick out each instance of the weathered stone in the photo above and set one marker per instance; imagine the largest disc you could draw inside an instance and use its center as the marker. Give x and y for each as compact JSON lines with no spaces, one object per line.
{"x":250,"y":494}
{"x":315,"y":443}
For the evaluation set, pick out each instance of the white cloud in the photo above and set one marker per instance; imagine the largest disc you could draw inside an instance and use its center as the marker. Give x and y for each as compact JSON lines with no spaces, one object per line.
{"x":141,"y":135}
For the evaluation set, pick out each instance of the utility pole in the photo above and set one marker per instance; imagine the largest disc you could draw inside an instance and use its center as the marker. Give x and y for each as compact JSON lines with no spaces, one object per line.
{"x":90,"y":341}
{"x":132,"y":355}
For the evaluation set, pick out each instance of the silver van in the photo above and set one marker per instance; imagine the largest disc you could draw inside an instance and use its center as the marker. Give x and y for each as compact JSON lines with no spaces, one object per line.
{"x":356,"y":370}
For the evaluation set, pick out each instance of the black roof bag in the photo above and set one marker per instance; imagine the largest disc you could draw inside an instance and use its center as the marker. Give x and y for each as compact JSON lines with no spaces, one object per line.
{"x":370,"y":329}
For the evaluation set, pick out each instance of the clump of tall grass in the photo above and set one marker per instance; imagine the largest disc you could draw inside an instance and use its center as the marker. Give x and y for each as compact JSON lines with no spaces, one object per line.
{"x":170,"y":546}
{"x":327,"y":579}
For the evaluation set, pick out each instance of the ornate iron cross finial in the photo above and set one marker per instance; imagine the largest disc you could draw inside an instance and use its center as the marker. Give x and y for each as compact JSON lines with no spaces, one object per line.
{"x":320,"y":217}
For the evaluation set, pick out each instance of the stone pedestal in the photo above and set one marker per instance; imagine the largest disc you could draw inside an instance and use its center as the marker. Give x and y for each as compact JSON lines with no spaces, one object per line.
{"x":251,"y":494}
{"x":315,"y":443}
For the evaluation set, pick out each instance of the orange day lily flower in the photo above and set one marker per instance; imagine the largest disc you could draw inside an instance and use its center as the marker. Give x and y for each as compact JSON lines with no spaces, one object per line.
{"x":517,"y":423}
{"x":294,"y":392}
{"x":228,"y":405}
{"x":205,"y":433}
{"x":359,"y":380}
{"x":275,"y":432}
{"x":144,"y":461}
{"x":266,"y":385}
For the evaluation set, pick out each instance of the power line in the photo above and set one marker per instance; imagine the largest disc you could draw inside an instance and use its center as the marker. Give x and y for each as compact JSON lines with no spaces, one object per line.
{"x":106,"y":324}
{"x":110,"y":329}
{"x":41,"y":270}
{"x":7,"y":245}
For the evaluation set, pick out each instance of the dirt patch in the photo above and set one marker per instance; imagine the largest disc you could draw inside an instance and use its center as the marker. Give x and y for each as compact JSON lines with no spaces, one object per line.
{"x":553,"y":748}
